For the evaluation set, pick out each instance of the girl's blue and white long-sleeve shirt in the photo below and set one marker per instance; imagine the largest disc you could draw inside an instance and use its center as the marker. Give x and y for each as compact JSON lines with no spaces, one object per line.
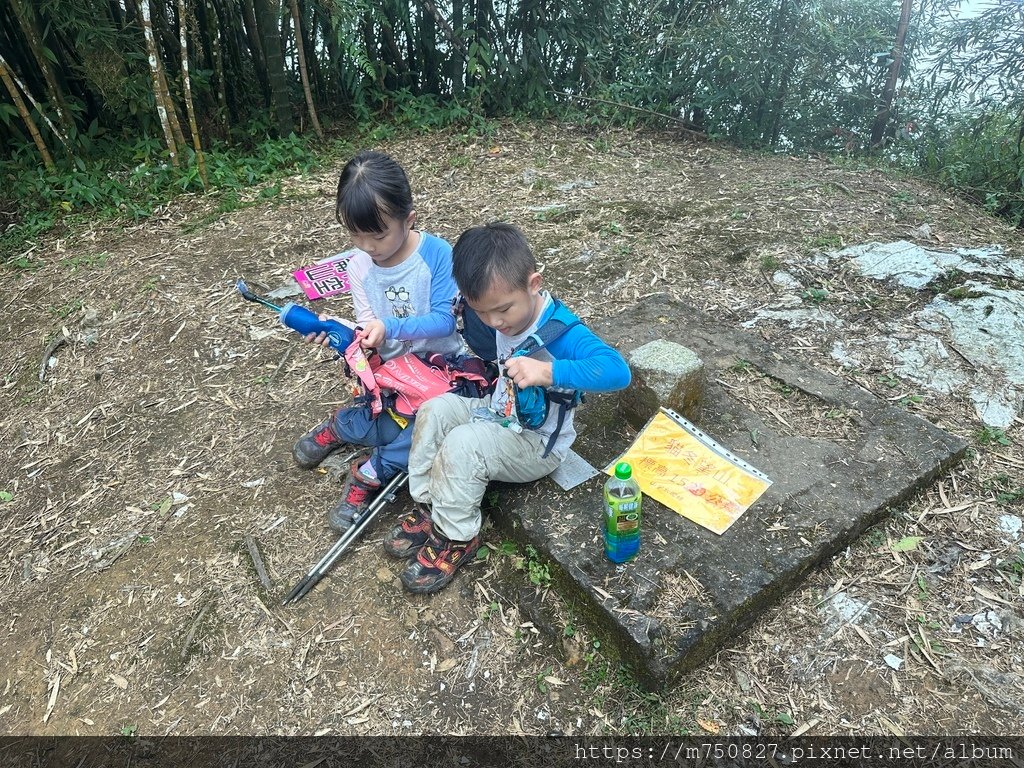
{"x":413,"y":299}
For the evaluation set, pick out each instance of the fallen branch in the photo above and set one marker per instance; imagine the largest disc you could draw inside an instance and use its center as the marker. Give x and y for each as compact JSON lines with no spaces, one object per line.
{"x":284,"y":361}
{"x":678,"y":121}
{"x":195,"y":625}
{"x":59,"y":341}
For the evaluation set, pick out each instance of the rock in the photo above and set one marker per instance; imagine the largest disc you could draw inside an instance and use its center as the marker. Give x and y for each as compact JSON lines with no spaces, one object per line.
{"x":1010,"y":524}
{"x":664,"y":374}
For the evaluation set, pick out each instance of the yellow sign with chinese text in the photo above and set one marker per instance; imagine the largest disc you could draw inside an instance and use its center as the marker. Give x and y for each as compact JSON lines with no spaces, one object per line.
{"x":687,"y":471}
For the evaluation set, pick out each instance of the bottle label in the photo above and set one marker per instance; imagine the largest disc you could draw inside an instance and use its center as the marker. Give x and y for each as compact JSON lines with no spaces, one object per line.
{"x":627,"y":523}
{"x":622,"y":522}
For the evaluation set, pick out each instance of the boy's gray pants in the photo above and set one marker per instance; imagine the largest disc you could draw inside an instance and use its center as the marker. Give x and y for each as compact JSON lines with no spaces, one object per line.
{"x":453,"y":458}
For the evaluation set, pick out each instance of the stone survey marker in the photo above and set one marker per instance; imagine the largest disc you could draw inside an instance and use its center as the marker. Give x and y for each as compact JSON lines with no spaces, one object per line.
{"x":690,"y":591}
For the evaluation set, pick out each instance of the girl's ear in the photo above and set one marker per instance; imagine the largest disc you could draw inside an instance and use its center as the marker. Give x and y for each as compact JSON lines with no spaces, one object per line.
{"x":410,"y":220}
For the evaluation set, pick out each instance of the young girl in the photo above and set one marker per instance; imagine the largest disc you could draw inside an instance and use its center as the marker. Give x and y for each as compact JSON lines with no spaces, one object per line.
{"x":402,"y":292}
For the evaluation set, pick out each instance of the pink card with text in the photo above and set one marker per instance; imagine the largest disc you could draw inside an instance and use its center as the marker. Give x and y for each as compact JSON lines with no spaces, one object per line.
{"x":324,"y":278}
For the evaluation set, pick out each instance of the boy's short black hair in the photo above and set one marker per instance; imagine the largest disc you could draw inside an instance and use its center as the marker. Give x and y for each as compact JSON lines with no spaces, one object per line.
{"x":490,"y":253}
{"x":372,"y":189}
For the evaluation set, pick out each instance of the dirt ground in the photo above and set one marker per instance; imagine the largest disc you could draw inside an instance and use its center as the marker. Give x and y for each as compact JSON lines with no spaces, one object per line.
{"x":156,"y":435}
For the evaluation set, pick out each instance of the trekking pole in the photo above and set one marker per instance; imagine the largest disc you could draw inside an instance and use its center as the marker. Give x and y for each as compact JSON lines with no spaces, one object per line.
{"x":318,"y":571}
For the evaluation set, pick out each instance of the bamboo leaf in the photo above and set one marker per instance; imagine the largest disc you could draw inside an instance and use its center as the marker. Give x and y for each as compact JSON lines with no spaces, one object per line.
{"x":907,"y":543}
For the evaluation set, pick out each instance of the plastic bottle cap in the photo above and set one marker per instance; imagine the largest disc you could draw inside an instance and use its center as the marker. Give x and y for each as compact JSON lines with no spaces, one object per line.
{"x":623,"y":471}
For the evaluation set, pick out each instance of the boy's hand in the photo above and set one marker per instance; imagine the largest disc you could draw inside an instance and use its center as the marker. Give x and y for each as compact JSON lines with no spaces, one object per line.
{"x":527,"y":372}
{"x":372,"y":334}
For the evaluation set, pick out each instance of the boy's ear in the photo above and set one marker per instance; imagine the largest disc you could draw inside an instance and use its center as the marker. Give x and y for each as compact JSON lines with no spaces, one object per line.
{"x":535,"y":282}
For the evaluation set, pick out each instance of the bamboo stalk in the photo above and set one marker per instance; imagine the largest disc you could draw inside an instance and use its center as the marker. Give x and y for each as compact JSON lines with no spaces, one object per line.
{"x":29,"y":22}
{"x":39,"y":110}
{"x":301,"y":55}
{"x":5,"y":75}
{"x":217,"y":54}
{"x":197,"y":145}
{"x":155,"y":76}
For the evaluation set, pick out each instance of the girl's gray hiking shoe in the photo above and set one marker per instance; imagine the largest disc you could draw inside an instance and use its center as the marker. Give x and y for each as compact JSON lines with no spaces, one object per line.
{"x":317,"y":444}
{"x":356,"y":496}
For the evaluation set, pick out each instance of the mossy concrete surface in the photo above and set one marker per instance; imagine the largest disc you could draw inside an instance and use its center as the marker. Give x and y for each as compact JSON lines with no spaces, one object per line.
{"x":690,"y":592}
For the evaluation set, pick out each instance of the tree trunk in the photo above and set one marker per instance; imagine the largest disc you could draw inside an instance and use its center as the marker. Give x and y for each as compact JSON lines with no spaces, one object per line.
{"x":217,"y":59}
{"x":161,"y":17}
{"x":42,"y":112}
{"x":116,"y":13}
{"x":310,"y":27}
{"x":160,"y":94}
{"x":5,"y":75}
{"x":256,"y":47}
{"x":267,"y":12}
{"x":398,"y":63}
{"x":332,"y":80}
{"x":186,"y":83}
{"x":301,"y":55}
{"x":236,"y":56}
{"x":779,"y":28}
{"x":885,"y":108}
{"x":431,"y":66}
{"x":458,"y":69}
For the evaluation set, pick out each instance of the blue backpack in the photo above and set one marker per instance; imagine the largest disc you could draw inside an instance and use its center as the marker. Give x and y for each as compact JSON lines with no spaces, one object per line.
{"x":532,"y":403}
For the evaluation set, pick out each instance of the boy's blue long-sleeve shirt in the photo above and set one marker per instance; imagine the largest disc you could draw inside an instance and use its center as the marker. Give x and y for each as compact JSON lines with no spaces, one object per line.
{"x":584,"y":361}
{"x":580,"y":360}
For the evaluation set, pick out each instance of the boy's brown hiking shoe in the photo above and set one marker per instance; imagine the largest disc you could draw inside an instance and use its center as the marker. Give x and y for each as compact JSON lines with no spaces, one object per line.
{"x":356,"y":496}
{"x":317,"y":444}
{"x":436,"y":563}
{"x":411,"y":533}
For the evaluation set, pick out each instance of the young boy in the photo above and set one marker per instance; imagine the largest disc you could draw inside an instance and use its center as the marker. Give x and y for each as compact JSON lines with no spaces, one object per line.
{"x":460,"y":444}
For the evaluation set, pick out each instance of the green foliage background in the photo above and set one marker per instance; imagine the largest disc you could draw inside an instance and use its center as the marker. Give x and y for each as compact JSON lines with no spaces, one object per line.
{"x":781,"y":75}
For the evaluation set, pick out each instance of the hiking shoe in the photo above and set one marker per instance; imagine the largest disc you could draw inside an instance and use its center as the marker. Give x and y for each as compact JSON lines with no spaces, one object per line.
{"x":436,"y":563}
{"x":317,"y":444}
{"x":411,"y":533}
{"x":355,"y":498}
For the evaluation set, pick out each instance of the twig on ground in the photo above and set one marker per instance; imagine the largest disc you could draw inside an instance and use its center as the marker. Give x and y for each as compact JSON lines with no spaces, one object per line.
{"x":254,"y":553}
{"x":192,"y":631}
{"x":284,"y":361}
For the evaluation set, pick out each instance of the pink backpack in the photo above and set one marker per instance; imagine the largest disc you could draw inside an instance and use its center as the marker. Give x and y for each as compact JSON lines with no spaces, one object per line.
{"x":409,"y":378}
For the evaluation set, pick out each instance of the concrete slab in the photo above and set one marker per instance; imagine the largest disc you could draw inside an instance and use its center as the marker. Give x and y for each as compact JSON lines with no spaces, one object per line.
{"x":690,"y":591}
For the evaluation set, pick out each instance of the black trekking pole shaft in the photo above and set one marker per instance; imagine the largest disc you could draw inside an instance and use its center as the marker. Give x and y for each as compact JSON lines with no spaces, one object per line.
{"x":318,"y":571}
{"x":300,"y":589}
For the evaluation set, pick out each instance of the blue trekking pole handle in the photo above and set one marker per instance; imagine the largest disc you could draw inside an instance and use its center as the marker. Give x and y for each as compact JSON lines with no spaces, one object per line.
{"x":304,"y":321}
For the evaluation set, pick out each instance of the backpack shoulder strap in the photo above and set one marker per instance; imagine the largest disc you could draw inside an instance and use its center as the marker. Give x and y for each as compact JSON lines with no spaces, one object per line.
{"x":480,"y":338}
{"x":558,"y":322}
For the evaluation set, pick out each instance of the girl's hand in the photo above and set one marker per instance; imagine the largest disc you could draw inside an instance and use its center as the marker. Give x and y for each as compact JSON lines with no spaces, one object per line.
{"x":372,"y":334}
{"x":527,"y":372}
{"x":320,"y":339}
